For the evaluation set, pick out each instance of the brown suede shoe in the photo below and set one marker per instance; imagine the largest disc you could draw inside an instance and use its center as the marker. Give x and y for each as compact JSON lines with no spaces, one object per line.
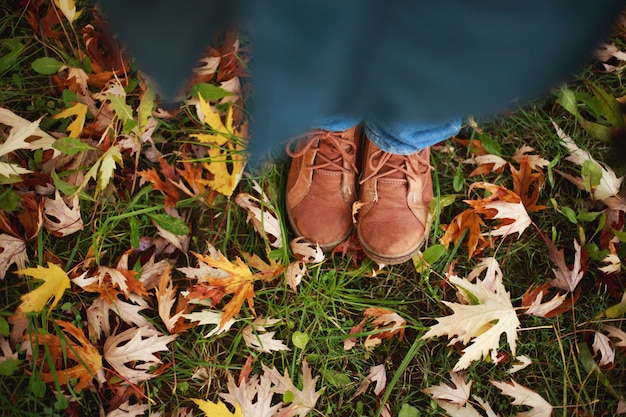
{"x":396,"y":191}
{"x":321,"y":186}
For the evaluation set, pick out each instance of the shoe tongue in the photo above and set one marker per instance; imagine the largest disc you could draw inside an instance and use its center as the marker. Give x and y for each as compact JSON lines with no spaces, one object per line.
{"x":390,"y":169}
{"x":330,"y":152}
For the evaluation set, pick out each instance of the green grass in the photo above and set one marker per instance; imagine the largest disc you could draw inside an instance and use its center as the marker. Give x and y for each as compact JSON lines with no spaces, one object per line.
{"x":333,"y":296}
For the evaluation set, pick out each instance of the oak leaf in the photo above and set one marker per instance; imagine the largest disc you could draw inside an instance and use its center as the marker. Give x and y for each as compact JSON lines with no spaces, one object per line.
{"x":59,"y":218}
{"x":12,"y":251}
{"x":55,"y":283}
{"x":136,"y":345}
{"x":76,"y":349}
{"x":482,"y":323}
{"x":527,"y":397}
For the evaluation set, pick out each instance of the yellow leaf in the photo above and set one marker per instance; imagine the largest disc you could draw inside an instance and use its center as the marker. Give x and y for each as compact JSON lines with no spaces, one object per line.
{"x":226,"y":150}
{"x":80,"y":111}
{"x":55,"y":283}
{"x":216,"y":410}
{"x":68,"y":8}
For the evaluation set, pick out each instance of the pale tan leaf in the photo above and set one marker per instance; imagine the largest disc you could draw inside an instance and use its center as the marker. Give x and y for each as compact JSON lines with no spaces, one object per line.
{"x":254,"y":396}
{"x":294,"y":274}
{"x":603,"y":350}
{"x":521,"y":362}
{"x":205,"y":317}
{"x":62,"y":219}
{"x":257,"y":337}
{"x":511,"y":211}
{"x":12,"y":251}
{"x":98,"y":319}
{"x":543,"y":309}
{"x":614,"y":264}
{"x":166,"y":298}
{"x":129,"y":410}
{"x":304,"y":399}
{"x":615,"y":333}
{"x":136,"y":345}
{"x":536,"y":162}
{"x":378,"y":375}
{"x":527,"y":397}
{"x":482,"y":324}
{"x":306,"y":251}
{"x":263,"y":217}
{"x":493,"y":276}
{"x":458,"y":393}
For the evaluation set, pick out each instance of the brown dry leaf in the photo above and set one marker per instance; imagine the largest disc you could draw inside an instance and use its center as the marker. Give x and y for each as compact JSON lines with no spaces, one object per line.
{"x":534,"y":305}
{"x":536,"y":162}
{"x":238,"y":280}
{"x":387,"y":323}
{"x":59,"y":218}
{"x":502,"y":204}
{"x":74,"y":347}
{"x":467,"y":221}
{"x":12,"y":251}
{"x":566,"y":278}
{"x":528,"y":184}
{"x":527,"y":397}
{"x":486,"y":164}
{"x":124,"y":280}
{"x":167,"y":186}
{"x":31,"y":215}
{"x":166,"y":297}
{"x":137,"y":346}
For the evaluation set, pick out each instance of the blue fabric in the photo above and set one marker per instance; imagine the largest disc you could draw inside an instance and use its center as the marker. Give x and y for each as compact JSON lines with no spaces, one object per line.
{"x":397,"y":138}
{"x":397,"y":61}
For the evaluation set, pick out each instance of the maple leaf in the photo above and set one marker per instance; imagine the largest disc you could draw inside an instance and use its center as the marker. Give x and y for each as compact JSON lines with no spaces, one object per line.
{"x":501,"y":204}
{"x":566,"y":279}
{"x":382,"y":318}
{"x":68,"y":8}
{"x":535,"y":162}
{"x":226,"y":150}
{"x":379,"y":377}
{"x":603,"y":350}
{"x":244,"y":396}
{"x":238,"y":280}
{"x":486,"y":164}
{"x":615,"y":333}
{"x":127,"y":409}
{"x":168,"y":186}
{"x":257,"y":337}
{"x":87,"y":357}
{"x":136,"y":345}
{"x":467,"y":221}
{"x":218,"y":409}
{"x":303,"y":400}
{"x":263,"y":218}
{"x":493,"y":274}
{"x":482,"y":323}
{"x":55,"y":283}
{"x":527,"y":184}
{"x":458,"y":394}
{"x":215,"y":318}
{"x":19,"y":138}
{"x":60,"y":219}
{"x":80,"y":111}
{"x":98,"y":314}
{"x":532,"y":301}
{"x":12,"y":251}
{"x":527,"y":397}
{"x":165,"y":293}
{"x":608,"y":186}
{"x":521,"y":362}
{"x":103,"y":169}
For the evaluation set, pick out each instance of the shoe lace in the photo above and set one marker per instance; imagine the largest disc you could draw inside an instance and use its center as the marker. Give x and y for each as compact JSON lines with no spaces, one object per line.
{"x":382,"y":164}
{"x":333,"y":150}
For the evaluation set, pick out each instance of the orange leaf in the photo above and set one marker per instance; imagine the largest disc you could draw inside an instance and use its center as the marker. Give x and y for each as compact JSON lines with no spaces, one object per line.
{"x":527,"y":184}
{"x":467,"y":221}
{"x":76,"y":349}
